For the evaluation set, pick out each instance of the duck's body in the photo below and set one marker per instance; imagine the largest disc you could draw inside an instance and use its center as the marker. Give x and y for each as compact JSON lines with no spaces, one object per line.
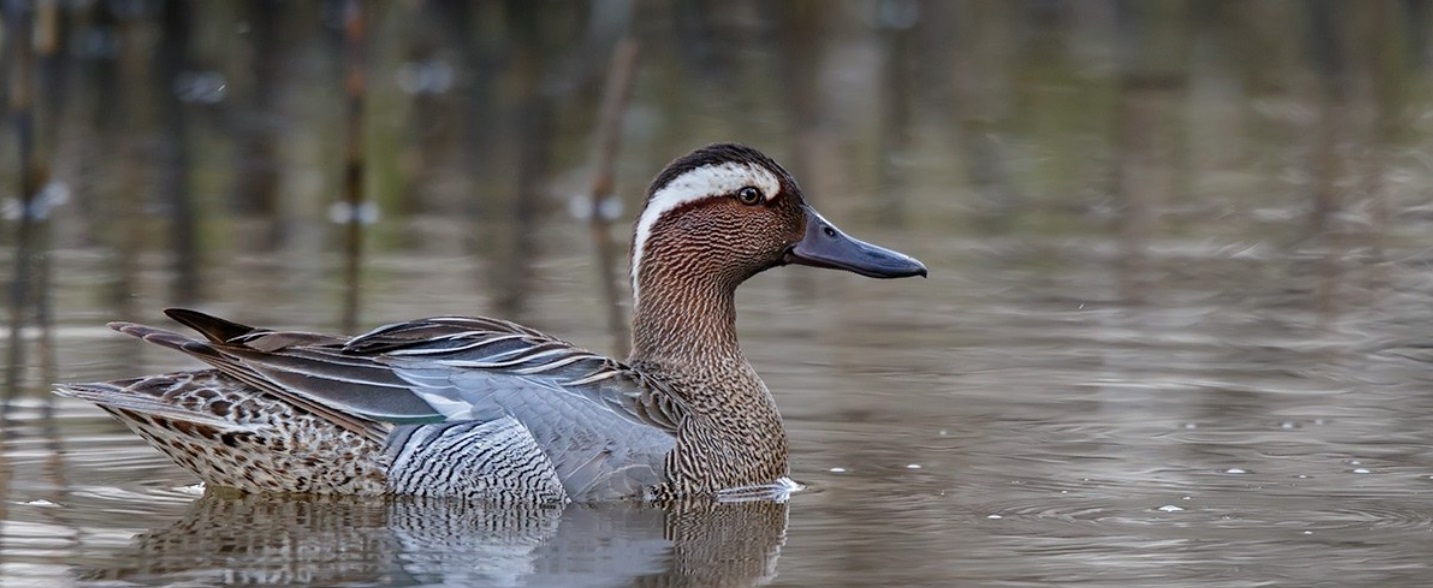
{"x":488,"y":410}
{"x":447,"y":406}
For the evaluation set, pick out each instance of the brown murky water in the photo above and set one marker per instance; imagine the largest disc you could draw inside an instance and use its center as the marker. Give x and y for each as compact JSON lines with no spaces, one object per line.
{"x":1176,"y":331}
{"x":1013,"y":420}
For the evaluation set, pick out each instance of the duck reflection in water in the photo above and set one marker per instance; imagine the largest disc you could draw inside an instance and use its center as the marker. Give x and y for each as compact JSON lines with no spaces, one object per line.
{"x":266,"y":540}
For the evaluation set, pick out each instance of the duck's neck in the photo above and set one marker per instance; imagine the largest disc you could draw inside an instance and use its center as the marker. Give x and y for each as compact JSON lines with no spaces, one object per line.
{"x":684,"y":332}
{"x":684,"y":322}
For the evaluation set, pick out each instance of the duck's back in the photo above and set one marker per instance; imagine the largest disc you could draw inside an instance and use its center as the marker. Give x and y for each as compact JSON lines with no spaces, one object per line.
{"x":472,"y":408}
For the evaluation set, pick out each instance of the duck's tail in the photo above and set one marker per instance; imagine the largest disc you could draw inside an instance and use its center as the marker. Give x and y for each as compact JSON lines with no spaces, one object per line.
{"x":232,"y":435}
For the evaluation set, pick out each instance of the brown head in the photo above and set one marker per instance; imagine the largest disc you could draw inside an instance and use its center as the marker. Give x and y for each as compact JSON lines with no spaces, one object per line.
{"x":715,"y":217}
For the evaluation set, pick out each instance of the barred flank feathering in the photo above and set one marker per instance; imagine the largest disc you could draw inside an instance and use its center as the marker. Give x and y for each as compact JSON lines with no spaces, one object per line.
{"x":487,"y":410}
{"x":492,"y":461}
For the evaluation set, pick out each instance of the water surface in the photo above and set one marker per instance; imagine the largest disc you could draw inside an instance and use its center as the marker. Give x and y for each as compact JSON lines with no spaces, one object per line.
{"x":1176,"y":330}
{"x":1013,"y":420}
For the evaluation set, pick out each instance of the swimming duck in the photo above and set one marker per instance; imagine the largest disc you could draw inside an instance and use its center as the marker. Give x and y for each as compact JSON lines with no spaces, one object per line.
{"x":488,"y":410}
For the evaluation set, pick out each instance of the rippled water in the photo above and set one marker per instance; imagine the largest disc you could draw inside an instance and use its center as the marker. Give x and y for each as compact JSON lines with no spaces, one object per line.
{"x":1178,"y":329}
{"x":1247,"y":415}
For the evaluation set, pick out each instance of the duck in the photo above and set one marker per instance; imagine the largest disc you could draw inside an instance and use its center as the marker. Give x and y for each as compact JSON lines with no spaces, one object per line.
{"x":486,"y":410}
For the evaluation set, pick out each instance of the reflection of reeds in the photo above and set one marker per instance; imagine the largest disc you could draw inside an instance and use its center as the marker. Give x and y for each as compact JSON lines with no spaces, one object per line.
{"x":354,"y":86}
{"x":7,"y":470}
{"x":123,"y":202}
{"x":256,"y":184}
{"x":607,"y":141}
{"x":536,"y":106}
{"x":50,"y":89}
{"x":18,"y":29}
{"x":28,"y":290}
{"x":982,"y":89}
{"x":799,"y":59}
{"x":1388,"y":39}
{"x":1329,"y":57}
{"x":1152,"y":55}
{"x":1132,"y":131}
{"x":481,"y":59}
{"x":1331,"y":62}
{"x":897,"y":36}
{"x":35,"y":71}
{"x":171,"y":56}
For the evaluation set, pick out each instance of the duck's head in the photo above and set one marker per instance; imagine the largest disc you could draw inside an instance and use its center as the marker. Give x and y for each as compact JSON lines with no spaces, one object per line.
{"x":725,"y":212}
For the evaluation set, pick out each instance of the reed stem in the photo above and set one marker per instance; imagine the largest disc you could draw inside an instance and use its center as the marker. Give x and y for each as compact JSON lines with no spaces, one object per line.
{"x":606,"y":145}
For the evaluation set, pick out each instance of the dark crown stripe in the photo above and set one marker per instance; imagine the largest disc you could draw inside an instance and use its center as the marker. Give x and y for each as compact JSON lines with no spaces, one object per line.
{"x":717,"y":154}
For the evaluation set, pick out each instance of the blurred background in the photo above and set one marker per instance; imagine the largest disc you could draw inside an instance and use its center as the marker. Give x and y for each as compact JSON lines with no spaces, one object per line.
{"x":1168,"y":240}
{"x":177,"y":135}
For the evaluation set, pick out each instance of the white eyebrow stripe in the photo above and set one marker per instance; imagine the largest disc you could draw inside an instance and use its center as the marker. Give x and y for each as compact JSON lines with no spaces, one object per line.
{"x":700,"y":183}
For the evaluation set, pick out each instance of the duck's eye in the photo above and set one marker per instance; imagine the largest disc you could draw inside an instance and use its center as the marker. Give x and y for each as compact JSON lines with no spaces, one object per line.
{"x":749,"y":196}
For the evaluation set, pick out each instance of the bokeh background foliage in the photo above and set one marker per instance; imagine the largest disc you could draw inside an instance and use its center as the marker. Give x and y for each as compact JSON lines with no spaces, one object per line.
{"x":177,"y":135}
{"x":1175,"y":331}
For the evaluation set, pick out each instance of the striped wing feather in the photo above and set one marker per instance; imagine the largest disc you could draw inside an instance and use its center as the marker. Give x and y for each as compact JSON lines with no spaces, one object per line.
{"x":605,"y":427}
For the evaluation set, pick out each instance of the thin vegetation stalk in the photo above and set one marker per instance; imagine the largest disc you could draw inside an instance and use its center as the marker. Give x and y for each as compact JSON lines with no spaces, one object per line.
{"x":354,"y":85}
{"x":606,"y":145}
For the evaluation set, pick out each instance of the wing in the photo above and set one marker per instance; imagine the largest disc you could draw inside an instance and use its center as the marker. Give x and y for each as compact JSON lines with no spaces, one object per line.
{"x":479,"y":357}
{"x":603,"y":425}
{"x":303,"y":369}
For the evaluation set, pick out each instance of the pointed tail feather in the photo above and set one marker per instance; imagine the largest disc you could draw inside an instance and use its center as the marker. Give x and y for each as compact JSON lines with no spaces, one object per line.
{"x":168,"y":339}
{"x":125,"y":397}
{"x":212,"y":327}
{"x":248,"y":358}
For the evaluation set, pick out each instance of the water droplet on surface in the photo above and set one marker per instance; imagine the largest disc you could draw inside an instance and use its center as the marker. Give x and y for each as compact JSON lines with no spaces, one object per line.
{"x":994,"y":517}
{"x":1170,"y":508}
{"x":1186,"y":497}
{"x":1361,"y":471}
{"x":913,"y":466}
{"x":1191,"y":425}
{"x":1308,"y":532}
{"x":1288,"y":425}
{"x":1236,"y":471}
{"x":39,"y":502}
{"x":838,"y":470}
{"x":1355,"y":462}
